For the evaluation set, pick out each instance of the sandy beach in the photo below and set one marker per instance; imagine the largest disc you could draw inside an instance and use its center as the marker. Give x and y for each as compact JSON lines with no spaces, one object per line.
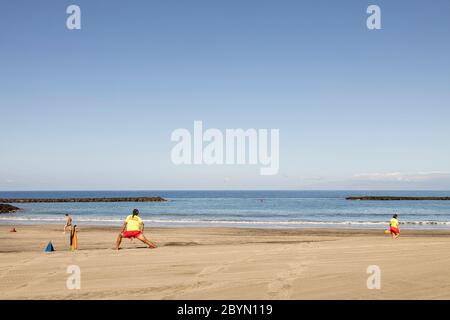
{"x":225,"y":263}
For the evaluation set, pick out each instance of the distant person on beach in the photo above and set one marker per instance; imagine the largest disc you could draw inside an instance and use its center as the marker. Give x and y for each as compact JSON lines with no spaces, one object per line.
{"x":394,"y":227}
{"x":133,"y":227}
{"x":68,"y":222}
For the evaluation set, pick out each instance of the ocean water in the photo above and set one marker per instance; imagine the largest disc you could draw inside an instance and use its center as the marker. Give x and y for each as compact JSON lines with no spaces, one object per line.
{"x":261,"y":209}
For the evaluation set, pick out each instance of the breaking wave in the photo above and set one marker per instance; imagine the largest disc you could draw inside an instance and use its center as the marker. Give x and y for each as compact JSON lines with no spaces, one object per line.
{"x":187,"y":222}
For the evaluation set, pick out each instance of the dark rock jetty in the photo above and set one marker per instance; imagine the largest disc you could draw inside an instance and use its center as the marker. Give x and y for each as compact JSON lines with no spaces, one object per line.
{"x":390,"y":198}
{"x":127,"y":199}
{"x":7,"y":208}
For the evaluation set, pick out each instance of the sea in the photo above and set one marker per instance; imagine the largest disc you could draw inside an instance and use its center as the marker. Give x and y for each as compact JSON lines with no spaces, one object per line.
{"x":243,"y":209}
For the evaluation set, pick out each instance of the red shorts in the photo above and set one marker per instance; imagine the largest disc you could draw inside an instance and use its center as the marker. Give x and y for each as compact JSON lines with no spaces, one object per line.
{"x":131,"y":234}
{"x":395,"y":230}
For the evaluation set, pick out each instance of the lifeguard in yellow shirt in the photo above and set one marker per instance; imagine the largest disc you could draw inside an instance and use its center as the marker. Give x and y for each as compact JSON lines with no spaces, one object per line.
{"x":133,"y":227}
{"x":395,"y":230}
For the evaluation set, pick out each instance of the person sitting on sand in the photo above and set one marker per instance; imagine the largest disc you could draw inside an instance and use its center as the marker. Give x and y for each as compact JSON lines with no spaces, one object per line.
{"x":394,"y":227}
{"x":133,"y":227}
{"x":68,"y":222}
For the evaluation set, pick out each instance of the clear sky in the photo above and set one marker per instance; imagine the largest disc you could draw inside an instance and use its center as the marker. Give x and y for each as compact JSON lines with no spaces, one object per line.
{"x":94,"y":108}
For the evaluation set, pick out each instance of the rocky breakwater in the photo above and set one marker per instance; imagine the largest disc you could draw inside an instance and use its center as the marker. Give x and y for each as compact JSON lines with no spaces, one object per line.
{"x":7,"y":208}
{"x":50,"y":200}
{"x":390,"y":198}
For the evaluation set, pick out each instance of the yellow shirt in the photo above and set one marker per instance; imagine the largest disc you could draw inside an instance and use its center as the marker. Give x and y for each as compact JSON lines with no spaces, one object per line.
{"x":133,"y":223}
{"x":394,"y":223}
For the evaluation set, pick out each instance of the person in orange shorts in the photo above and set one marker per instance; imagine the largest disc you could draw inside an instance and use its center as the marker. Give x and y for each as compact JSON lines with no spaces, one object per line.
{"x":394,"y":227}
{"x":133,"y":227}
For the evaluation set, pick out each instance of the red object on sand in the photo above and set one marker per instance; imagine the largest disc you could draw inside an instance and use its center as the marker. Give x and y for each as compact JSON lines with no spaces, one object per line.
{"x":13,"y":230}
{"x":395,"y":230}
{"x":131,"y":234}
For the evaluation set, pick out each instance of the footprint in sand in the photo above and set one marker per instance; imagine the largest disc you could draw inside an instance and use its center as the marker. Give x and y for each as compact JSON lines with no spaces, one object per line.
{"x":281,"y":286}
{"x":204,"y":278}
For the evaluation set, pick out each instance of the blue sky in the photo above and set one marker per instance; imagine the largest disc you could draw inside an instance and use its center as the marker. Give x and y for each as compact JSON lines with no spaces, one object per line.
{"x":94,"y":108}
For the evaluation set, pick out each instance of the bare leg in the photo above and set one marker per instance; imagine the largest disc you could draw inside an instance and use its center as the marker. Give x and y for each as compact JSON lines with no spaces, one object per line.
{"x":118,"y":241}
{"x":147,"y":242}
